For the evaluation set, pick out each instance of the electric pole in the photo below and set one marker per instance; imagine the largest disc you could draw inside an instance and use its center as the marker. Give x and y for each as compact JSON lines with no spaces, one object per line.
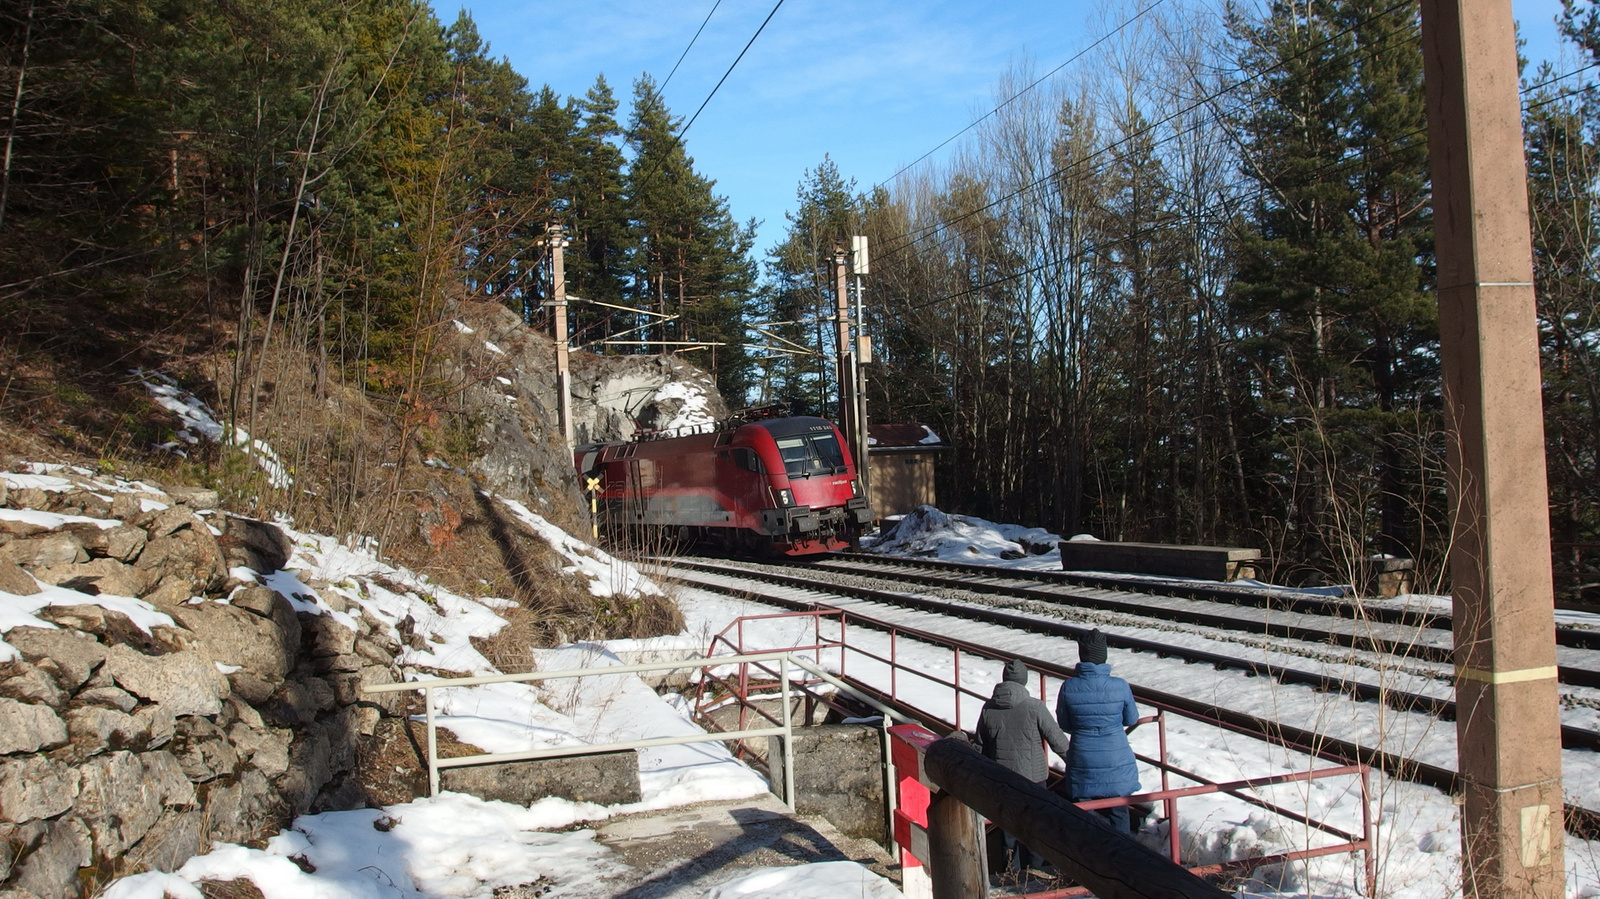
{"x":859,"y":360}
{"x":1507,"y":720}
{"x":558,"y":300}
{"x":841,"y":320}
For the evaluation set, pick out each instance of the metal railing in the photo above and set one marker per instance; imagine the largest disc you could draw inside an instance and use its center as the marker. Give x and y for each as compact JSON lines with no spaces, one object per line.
{"x":780,"y":726}
{"x":733,"y":638}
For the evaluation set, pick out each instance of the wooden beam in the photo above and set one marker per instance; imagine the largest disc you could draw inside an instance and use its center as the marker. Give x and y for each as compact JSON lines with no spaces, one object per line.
{"x":1078,"y":843}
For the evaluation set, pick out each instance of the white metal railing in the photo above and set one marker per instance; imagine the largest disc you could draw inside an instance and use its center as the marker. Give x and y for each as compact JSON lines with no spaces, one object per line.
{"x":785,"y":730}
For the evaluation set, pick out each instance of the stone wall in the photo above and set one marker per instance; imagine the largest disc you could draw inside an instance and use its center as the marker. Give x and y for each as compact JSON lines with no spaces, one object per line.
{"x":128,"y":745}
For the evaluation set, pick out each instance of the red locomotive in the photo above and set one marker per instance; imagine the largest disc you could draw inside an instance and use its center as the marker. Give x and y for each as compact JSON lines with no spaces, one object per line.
{"x":781,"y":485}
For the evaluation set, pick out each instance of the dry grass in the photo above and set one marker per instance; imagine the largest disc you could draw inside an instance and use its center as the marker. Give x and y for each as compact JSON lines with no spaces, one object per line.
{"x":240,"y":888}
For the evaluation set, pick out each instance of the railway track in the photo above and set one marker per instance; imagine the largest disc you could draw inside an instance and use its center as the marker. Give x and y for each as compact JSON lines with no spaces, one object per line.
{"x":987,"y":629}
{"x":1424,"y":636}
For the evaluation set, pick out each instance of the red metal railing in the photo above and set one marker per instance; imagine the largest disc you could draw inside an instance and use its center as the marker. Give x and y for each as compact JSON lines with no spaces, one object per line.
{"x":743,"y":689}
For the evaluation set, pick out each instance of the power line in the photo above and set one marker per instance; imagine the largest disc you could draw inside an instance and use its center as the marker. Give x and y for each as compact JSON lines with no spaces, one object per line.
{"x":731,"y":67}
{"x":1405,"y":141}
{"x":913,"y":237}
{"x":662,"y":89}
{"x":677,"y":139}
{"x":916,"y":238}
{"x":1075,"y":57}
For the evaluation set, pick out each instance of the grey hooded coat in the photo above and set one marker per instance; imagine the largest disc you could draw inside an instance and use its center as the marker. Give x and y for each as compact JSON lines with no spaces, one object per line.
{"x":1014,"y":726}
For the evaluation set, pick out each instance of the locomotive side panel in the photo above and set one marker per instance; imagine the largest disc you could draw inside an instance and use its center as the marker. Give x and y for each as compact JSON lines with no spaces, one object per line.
{"x":784,"y":485}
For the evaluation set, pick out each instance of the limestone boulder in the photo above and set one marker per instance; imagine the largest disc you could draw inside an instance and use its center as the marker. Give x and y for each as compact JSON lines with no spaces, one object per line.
{"x":185,"y":683}
{"x":16,"y":581}
{"x":34,"y":685}
{"x":75,"y":655}
{"x":53,"y":864}
{"x":236,"y":637}
{"x":188,"y":551}
{"x":253,"y":544}
{"x":122,"y":542}
{"x":95,"y":577}
{"x":29,"y":727}
{"x":44,"y":550}
{"x":35,"y":787}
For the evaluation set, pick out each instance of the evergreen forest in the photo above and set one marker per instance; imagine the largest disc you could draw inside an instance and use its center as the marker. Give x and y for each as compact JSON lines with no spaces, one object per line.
{"x":1180,"y":292}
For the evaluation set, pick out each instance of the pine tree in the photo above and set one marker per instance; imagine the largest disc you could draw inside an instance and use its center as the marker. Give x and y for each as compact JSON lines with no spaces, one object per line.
{"x":1563,"y":167}
{"x":800,"y":298}
{"x":1335,"y":267}
{"x":691,"y":260}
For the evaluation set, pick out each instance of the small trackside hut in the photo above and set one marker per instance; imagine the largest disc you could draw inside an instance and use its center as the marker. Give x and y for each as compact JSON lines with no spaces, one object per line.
{"x":759,"y":482}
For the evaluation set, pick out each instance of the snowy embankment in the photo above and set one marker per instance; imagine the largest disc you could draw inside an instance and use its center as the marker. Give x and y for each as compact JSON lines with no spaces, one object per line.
{"x":455,"y":845}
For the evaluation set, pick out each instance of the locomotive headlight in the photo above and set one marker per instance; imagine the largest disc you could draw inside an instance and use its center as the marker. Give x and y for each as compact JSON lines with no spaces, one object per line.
{"x":785,"y":497}
{"x":855,"y":487}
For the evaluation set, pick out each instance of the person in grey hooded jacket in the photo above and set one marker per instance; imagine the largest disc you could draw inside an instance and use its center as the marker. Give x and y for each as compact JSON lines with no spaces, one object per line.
{"x":1012,"y":730}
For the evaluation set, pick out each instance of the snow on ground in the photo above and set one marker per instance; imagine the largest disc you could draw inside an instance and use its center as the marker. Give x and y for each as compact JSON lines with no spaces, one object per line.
{"x":463,"y":847}
{"x":456,"y":845}
{"x":1417,"y":827}
{"x":198,"y":417}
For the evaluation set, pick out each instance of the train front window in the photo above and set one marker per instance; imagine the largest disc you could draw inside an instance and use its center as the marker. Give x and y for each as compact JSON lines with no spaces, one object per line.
{"x":827,"y":446}
{"x":806,"y":456}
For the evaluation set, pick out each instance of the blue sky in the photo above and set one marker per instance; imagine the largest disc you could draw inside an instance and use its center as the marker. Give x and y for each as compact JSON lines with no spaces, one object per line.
{"x":874,"y":84}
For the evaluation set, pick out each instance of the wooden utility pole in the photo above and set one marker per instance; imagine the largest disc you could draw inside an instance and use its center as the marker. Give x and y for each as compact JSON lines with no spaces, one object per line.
{"x":1508,"y":721}
{"x":558,"y":299}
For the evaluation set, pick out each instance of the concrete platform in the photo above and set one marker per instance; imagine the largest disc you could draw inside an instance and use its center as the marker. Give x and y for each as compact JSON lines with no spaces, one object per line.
{"x":683,"y":852}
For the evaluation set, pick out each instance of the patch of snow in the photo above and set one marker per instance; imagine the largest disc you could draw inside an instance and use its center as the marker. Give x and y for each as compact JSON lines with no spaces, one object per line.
{"x":18,"y":611}
{"x":460,"y":326}
{"x":928,"y":436}
{"x":38,"y":480}
{"x":52,"y":520}
{"x":607,"y":575}
{"x":493,"y":349}
{"x":449,"y":846}
{"x":693,"y":413}
{"x":198,"y":417}
{"x":822,"y":880}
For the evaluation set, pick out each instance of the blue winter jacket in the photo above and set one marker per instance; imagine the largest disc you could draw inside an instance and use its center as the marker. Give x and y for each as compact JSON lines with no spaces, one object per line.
{"x":1093,"y":708}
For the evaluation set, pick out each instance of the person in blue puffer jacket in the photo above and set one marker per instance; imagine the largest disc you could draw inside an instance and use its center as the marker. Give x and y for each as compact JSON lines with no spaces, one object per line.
{"x":1094,"y":709}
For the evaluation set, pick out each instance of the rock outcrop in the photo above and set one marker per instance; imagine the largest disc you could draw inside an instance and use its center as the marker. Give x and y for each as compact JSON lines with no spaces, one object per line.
{"x":132,"y":734}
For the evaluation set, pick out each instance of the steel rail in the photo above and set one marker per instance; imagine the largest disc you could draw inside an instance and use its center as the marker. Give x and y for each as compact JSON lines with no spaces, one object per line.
{"x":1127,"y":602}
{"x":1579,"y":820}
{"x":1278,"y":599}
